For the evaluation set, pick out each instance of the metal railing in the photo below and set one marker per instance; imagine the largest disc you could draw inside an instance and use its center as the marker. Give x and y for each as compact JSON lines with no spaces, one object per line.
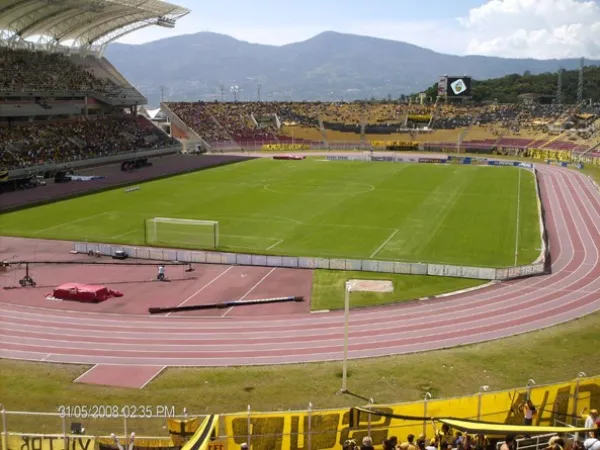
{"x":530,"y":443}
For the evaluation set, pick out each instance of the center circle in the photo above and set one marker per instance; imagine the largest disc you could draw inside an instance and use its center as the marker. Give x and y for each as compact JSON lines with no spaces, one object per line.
{"x":322,"y":188}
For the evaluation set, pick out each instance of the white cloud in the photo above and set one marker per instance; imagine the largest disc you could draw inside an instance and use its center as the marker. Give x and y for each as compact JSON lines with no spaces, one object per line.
{"x":534,"y":28}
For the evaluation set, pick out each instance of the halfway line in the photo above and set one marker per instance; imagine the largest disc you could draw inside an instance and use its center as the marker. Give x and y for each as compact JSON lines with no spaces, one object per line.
{"x":384,"y":242}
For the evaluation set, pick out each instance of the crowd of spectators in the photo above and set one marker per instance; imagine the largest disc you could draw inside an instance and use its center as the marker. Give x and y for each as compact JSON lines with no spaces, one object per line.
{"x":446,"y":439}
{"x":219,"y":122}
{"x":27,"y":145}
{"x":515,"y":117}
{"x":34,"y":71}
{"x":254,"y":121}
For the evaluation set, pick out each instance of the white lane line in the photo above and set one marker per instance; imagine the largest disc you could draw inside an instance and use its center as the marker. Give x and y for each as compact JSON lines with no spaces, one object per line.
{"x":153,"y":377}
{"x":251,"y":289}
{"x":384,"y":242}
{"x":203,"y":287}
{"x":84,"y":373}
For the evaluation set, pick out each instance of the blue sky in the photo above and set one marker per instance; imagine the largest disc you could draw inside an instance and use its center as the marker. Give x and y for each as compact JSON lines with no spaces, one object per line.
{"x":511,"y":28}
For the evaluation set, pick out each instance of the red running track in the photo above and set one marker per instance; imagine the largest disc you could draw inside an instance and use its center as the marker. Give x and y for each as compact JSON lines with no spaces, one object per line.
{"x":505,"y":309}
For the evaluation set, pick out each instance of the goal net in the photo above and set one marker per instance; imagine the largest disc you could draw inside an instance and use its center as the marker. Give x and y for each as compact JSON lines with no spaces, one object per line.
{"x":188,"y":233}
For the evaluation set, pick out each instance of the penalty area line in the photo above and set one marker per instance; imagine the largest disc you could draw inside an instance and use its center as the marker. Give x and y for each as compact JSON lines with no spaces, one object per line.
{"x":390,"y":237}
{"x":124,"y":234}
{"x":71,"y":222}
{"x":275,"y":244}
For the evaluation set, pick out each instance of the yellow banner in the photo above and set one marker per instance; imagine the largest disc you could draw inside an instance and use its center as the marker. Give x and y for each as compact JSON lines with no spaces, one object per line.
{"x":285,"y":147}
{"x":409,"y":144}
{"x":329,"y":429}
{"x":48,"y":442}
{"x":206,"y":432}
{"x":138,"y":443}
{"x":181,"y":430}
{"x":419,"y":117}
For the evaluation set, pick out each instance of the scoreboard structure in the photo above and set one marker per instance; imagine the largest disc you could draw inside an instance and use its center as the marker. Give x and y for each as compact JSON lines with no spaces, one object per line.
{"x":454,"y":87}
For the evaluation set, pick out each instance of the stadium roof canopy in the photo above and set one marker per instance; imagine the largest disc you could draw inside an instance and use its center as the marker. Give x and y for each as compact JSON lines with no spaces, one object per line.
{"x":82,"y":23}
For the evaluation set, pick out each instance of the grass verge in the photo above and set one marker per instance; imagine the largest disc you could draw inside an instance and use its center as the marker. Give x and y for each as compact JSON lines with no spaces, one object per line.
{"x":328,"y":288}
{"x":593,"y":172}
{"x":551,"y":355}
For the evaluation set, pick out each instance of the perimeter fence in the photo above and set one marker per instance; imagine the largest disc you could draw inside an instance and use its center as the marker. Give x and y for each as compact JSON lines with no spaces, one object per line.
{"x":300,"y":262}
{"x":308,"y":429}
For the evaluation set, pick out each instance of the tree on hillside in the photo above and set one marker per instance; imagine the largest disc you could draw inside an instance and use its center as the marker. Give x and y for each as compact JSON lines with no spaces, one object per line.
{"x":507,"y":89}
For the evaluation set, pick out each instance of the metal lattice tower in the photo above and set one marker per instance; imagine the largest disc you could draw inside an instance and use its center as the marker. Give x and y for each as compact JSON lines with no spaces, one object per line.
{"x":580,"y":83}
{"x":559,"y":87}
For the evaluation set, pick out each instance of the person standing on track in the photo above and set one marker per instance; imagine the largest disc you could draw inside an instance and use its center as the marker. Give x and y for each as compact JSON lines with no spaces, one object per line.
{"x":161,"y":273}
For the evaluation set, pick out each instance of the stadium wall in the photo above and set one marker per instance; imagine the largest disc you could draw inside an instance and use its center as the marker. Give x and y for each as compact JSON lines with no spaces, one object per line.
{"x":548,"y":155}
{"x":93,"y":162}
{"x":313,"y":429}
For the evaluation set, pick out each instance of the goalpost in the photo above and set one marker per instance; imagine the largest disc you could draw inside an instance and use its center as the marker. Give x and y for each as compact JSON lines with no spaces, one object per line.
{"x":190,"y":233}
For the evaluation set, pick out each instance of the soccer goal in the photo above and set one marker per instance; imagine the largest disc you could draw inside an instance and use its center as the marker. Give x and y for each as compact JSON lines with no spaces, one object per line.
{"x":187,"y":233}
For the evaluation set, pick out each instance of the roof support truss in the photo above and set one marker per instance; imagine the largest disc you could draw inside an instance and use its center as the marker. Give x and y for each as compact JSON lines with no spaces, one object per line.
{"x":44,"y":22}
{"x":82,"y":22}
{"x":14,"y":6}
{"x":82,"y":33}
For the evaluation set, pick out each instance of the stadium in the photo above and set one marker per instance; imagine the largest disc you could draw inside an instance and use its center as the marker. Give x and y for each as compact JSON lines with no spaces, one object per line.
{"x":283,"y":275}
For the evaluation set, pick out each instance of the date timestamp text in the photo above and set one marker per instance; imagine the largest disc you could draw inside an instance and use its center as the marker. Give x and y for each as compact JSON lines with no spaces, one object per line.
{"x":116,"y":411}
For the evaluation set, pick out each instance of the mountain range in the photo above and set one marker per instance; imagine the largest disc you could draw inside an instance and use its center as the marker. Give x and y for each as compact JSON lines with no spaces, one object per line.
{"x":328,"y":67}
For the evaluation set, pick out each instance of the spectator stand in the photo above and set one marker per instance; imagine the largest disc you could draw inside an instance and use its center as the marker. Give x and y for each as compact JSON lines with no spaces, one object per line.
{"x":49,"y":92}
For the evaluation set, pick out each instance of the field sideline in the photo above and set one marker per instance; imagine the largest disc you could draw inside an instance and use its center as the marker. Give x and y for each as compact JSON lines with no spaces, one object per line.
{"x":442,"y":214}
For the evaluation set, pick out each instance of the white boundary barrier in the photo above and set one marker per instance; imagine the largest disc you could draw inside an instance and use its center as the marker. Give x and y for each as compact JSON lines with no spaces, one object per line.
{"x":544,"y":247}
{"x":296,"y":262}
{"x":104,"y":160}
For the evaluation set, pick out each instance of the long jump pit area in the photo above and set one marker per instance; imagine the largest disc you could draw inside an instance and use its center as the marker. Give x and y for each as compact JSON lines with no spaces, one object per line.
{"x":30,"y":313}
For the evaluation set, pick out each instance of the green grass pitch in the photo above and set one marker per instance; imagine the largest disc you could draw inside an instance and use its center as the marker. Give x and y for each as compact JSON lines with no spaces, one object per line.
{"x":450,"y":214}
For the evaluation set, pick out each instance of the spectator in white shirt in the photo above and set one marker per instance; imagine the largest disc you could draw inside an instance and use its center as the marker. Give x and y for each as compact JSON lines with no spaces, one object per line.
{"x":591,"y":444}
{"x":432,"y":445}
{"x":590,"y":421}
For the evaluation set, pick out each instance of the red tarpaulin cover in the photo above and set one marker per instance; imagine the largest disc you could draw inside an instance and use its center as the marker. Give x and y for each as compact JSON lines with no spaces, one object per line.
{"x":84,"y":292}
